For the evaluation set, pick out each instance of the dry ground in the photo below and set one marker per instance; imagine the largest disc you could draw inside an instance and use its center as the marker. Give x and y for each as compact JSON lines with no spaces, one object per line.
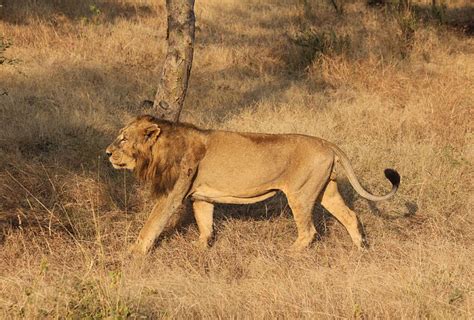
{"x":391,"y":90}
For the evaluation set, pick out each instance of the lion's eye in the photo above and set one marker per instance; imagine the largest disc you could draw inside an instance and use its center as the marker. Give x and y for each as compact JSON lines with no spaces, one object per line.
{"x":123,"y":140}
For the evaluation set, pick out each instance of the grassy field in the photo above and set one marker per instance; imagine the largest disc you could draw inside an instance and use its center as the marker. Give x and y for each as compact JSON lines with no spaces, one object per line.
{"x":392,"y":90}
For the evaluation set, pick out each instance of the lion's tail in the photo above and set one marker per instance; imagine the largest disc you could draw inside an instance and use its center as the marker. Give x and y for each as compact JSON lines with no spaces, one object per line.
{"x":390,"y":174}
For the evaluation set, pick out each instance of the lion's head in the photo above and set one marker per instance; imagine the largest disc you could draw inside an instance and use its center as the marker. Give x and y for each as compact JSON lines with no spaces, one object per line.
{"x":152,"y":148}
{"x":134,"y":143}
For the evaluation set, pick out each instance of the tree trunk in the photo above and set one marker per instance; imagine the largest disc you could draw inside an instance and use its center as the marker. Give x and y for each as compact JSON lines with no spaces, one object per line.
{"x":173,"y":84}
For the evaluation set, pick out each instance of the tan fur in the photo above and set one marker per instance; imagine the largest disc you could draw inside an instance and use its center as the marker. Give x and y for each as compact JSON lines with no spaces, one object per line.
{"x":181,"y":161}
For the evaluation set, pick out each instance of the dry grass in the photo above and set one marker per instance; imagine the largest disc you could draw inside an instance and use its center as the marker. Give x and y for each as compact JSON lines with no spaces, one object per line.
{"x":79,"y":71}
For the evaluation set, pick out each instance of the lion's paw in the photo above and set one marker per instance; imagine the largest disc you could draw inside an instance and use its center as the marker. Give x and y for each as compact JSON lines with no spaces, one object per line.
{"x":135,"y":250}
{"x":201,"y":244}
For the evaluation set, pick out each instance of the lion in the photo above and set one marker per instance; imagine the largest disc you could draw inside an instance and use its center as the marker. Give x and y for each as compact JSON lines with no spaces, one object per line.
{"x":180,"y":161}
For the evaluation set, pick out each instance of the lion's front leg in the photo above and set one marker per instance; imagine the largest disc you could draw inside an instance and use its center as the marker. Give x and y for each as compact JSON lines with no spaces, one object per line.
{"x":162,"y":212}
{"x":203,"y":212}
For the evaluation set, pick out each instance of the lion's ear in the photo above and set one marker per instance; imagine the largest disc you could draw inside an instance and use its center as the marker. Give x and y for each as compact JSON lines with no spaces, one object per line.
{"x":152,"y":132}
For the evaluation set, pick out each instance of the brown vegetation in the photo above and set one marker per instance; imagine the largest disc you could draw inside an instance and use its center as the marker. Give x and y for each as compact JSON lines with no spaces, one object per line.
{"x":390,"y":90}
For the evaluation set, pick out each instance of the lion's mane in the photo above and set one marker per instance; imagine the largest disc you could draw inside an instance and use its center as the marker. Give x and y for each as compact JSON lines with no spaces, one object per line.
{"x":160,"y":164}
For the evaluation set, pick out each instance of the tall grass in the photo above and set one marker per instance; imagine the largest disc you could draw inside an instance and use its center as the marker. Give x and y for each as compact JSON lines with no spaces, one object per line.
{"x":81,"y":69}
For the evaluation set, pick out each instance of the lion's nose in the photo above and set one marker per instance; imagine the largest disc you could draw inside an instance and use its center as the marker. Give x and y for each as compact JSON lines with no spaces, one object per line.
{"x":108,"y":153}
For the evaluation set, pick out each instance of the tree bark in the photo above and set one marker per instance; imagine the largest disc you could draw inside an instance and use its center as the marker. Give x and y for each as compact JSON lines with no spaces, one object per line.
{"x":173,"y":84}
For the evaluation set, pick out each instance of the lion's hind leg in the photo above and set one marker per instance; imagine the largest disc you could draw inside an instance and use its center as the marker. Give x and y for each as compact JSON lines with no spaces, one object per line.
{"x":302,"y":213}
{"x":203,"y":212}
{"x":302,"y":195}
{"x":333,"y":202}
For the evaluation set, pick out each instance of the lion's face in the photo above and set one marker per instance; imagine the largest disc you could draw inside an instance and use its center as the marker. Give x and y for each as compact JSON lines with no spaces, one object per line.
{"x":134,"y":140}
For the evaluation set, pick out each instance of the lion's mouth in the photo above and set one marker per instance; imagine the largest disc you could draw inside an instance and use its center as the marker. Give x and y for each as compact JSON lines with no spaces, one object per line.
{"x":119,"y":165}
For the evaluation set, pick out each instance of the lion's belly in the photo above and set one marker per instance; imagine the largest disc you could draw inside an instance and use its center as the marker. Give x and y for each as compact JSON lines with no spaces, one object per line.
{"x":239,"y":182}
{"x":215,"y":196}
{"x":233,"y":185}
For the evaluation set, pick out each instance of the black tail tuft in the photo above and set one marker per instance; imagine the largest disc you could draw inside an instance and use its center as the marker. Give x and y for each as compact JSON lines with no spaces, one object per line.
{"x":393,"y":176}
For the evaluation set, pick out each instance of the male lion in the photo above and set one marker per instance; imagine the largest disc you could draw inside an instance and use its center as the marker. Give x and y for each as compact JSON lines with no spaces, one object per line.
{"x":209,"y":166}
